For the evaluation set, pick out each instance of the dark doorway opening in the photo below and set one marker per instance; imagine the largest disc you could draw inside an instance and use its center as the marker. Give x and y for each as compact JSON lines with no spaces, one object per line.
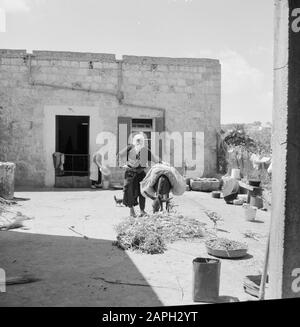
{"x":72,"y":140}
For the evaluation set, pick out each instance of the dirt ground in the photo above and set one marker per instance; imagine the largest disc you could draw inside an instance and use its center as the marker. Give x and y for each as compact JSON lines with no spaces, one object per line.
{"x":75,"y":271}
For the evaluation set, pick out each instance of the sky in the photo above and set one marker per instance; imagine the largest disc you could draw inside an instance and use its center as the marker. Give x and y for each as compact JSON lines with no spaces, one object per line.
{"x":237,"y":32}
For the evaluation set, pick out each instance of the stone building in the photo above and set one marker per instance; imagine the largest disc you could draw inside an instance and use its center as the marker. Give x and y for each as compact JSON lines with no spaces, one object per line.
{"x":60,"y":101}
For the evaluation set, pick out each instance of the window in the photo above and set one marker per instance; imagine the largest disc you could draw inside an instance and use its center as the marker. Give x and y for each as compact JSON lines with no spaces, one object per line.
{"x":143,"y":126}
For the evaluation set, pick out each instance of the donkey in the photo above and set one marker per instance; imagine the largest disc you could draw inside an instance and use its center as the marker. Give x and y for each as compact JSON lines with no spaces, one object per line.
{"x":162,"y":188}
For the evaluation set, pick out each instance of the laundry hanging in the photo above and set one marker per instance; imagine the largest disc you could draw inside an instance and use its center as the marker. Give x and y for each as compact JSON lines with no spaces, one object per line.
{"x":58,"y":162}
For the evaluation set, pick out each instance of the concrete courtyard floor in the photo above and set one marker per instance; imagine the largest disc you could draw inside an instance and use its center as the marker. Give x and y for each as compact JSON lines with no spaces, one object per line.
{"x":75,"y":271}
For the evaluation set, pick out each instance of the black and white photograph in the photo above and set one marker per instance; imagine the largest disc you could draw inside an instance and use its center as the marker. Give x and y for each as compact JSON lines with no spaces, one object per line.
{"x":149,"y":155}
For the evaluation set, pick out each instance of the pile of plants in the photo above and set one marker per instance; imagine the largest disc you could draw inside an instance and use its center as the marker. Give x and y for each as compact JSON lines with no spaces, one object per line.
{"x":225,"y":244}
{"x":151,"y":233}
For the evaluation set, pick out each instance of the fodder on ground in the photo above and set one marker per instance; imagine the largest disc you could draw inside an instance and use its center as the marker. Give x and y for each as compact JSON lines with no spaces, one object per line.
{"x":151,"y":233}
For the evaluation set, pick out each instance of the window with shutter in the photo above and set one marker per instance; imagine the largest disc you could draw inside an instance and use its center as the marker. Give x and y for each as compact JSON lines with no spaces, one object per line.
{"x":124,"y":130}
{"x":143,"y":126}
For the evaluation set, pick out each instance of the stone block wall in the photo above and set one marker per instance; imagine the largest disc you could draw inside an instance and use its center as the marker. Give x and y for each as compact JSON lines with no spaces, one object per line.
{"x":188,"y":90}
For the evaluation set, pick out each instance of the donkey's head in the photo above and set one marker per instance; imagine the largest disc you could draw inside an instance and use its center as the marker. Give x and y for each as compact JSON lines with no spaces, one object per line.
{"x":158,"y":203}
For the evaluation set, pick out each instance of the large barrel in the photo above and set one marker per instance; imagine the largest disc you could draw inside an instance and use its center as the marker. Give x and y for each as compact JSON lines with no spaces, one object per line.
{"x":7,"y":180}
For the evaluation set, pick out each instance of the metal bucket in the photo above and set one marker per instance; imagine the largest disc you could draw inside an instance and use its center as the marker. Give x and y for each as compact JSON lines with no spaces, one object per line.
{"x":256,"y":201}
{"x":206,"y":279}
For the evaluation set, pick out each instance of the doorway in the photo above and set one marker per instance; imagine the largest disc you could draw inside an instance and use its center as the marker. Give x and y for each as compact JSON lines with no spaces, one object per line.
{"x":72,"y":144}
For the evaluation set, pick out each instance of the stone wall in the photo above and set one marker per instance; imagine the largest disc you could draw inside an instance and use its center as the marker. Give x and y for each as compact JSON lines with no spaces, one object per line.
{"x":31,"y":85}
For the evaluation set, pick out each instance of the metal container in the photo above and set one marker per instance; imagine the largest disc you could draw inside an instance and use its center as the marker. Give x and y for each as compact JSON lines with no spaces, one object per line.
{"x":254,"y":182}
{"x":256,"y":201}
{"x":206,"y":279}
{"x":216,"y":194}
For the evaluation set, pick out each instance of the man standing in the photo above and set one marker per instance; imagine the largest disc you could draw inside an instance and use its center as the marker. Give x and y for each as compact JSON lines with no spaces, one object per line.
{"x":137,"y":159}
{"x":95,"y":172}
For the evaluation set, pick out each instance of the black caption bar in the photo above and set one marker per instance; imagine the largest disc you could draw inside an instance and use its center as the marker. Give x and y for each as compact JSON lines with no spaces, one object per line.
{"x":195,"y":315}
